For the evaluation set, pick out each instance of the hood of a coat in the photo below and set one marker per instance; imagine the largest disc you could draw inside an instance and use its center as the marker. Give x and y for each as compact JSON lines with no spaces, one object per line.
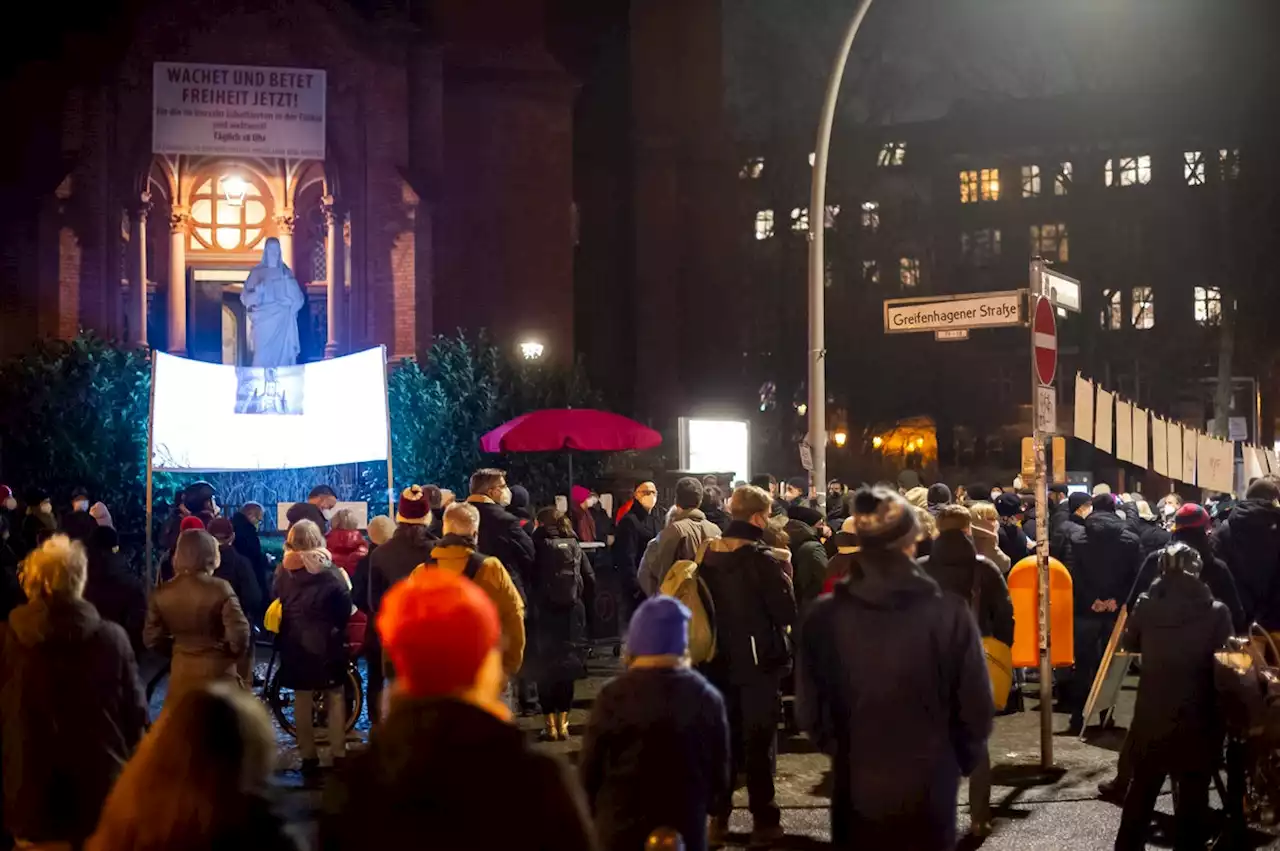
{"x":888,"y":580}
{"x":1253,"y":517}
{"x":800,"y":533}
{"x":58,"y":620}
{"x":451,"y":553}
{"x":695,"y":514}
{"x":1181,"y":597}
{"x":1105,"y":526}
{"x":344,"y":541}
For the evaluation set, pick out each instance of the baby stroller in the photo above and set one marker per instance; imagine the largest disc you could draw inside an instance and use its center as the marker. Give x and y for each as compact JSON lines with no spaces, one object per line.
{"x":281,"y":699}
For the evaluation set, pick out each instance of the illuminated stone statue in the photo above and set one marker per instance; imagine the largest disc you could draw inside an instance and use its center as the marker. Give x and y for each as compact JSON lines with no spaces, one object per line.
{"x":272,"y":298}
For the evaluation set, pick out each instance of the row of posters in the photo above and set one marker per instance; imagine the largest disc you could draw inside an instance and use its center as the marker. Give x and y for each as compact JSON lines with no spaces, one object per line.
{"x":1171,"y":449}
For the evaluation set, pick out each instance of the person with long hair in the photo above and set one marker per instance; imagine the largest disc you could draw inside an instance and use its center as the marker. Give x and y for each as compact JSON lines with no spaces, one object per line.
{"x":197,"y":782}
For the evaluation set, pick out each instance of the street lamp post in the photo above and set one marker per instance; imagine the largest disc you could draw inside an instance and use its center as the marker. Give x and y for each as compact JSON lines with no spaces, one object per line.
{"x":817,"y":282}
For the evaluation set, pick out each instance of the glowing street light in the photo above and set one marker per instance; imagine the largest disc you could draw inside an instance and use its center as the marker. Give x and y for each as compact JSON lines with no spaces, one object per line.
{"x":531,"y":350}
{"x":839,"y":438}
{"x":877,"y":441}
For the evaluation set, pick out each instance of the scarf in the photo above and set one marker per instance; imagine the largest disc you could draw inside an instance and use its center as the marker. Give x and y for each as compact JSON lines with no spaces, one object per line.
{"x":313,"y":561}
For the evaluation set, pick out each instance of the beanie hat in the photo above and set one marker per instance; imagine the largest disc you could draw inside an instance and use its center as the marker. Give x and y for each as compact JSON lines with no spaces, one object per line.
{"x":1191,"y":516}
{"x":1144,"y":510}
{"x":806,"y":515}
{"x":222,"y":529}
{"x":192,"y":522}
{"x":882,"y":518}
{"x":381,"y":528}
{"x":438,"y":628}
{"x":800,"y":483}
{"x":577,"y":495}
{"x":519,"y":496}
{"x":1059,"y":488}
{"x":1104,"y":502}
{"x":660,"y":627}
{"x":939,"y":494}
{"x":1264,"y":489}
{"x":1077,"y":500}
{"x":1008,"y":505}
{"x":1101,"y":488}
{"x":414,"y":508}
{"x":918,"y":496}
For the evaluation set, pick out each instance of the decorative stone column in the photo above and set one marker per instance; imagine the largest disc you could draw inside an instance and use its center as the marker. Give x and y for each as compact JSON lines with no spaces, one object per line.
{"x":138,"y":270}
{"x":285,"y":223}
{"x":335,"y":289}
{"x":179,"y":227}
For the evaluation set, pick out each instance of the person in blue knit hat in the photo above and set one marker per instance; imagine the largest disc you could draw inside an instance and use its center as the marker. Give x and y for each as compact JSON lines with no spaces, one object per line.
{"x":656,"y":752}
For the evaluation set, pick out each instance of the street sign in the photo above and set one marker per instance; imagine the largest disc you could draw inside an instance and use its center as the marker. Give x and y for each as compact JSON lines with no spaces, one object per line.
{"x":950,"y":313}
{"x":1045,"y":334}
{"x":954,"y":334}
{"x":1064,"y":292}
{"x":806,"y":457}
{"x":1046,"y":410}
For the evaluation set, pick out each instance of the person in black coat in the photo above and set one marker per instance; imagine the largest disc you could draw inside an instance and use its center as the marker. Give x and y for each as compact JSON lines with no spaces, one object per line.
{"x":1058,"y":512}
{"x":236,"y":570}
{"x":656,"y":752}
{"x":11,"y":594}
{"x":808,"y":556}
{"x":1177,"y":729}
{"x":713,"y":507}
{"x":112,"y":588}
{"x":754,"y":607}
{"x":502,"y":535}
{"x":1013,"y":541}
{"x":410,"y":546}
{"x":902,"y":727}
{"x":1104,"y":563}
{"x":447,"y":769}
{"x":1152,"y":537}
{"x":837,"y":503}
{"x":632,"y":534}
{"x":71,"y":706}
{"x":1249,"y":542}
{"x":244,"y":525}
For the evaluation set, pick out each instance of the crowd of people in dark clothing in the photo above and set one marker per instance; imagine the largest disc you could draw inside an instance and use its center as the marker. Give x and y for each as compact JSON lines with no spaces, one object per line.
{"x":470,"y":611}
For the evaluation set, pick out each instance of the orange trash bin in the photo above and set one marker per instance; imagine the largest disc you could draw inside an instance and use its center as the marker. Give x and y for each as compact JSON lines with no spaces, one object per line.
{"x":1024,"y":589}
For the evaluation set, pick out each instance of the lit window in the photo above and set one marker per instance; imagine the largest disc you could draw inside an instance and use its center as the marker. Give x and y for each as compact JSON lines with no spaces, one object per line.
{"x":980,"y":246}
{"x":968,"y":187}
{"x":871,"y":271}
{"x":1112,"y":311}
{"x":799,"y":218}
{"x":812,"y":158}
{"x":909,"y":272}
{"x":1050,"y":242}
{"x":1062,"y":180}
{"x":990,"y":184}
{"x":1128,"y":171}
{"x":1208,"y":305}
{"x":1031,"y":181}
{"x":871,"y":215}
{"x":1229,"y":163}
{"x":829,"y":220}
{"x":1193,"y":167}
{"x":752,"y":169}
{"x":892,"y":153}
{"x":764,"y":224}
{"x":1144,"y":308}
{"x":227,"y":221}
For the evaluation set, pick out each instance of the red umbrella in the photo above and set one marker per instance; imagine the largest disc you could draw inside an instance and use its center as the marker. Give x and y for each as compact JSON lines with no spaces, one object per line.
{"x":554,"y":429}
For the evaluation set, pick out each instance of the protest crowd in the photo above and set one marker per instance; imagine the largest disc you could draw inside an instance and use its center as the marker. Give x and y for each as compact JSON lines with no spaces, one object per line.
{"x":881,"y":613}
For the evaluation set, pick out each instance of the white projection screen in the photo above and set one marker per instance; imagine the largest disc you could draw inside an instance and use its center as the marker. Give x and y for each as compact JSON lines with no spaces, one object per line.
{"x":210,"y":417}
{"x":715,"y":446}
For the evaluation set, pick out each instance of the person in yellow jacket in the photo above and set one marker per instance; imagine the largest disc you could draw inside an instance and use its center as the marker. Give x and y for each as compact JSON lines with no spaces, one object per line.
{"x":456,"y":552}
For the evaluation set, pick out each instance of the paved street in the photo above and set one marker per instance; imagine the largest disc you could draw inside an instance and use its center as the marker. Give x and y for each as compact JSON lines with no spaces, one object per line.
{"x":1031,"y":814}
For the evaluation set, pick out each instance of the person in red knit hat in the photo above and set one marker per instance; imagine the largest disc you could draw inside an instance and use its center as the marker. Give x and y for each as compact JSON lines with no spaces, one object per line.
{"x":447,"y":754}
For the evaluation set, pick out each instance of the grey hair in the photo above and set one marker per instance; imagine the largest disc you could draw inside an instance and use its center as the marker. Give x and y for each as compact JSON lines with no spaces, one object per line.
{"x":461,"y":518}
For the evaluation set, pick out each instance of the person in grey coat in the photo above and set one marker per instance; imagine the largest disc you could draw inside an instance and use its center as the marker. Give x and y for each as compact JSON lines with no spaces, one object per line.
{"x":902,"y":727}
{"x":683,"y":536}
{"x":196,"y":617}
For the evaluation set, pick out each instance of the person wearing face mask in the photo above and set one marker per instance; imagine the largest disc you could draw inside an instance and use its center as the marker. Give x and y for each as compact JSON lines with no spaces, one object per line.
{"x":754,"y":611}
{"x":79,"y":499}
{"x":501,"y":534}
{"x":581,"y":502}
{"x":39,"y":520}
{"x":319,"y":507}
{"x":635,"y":530}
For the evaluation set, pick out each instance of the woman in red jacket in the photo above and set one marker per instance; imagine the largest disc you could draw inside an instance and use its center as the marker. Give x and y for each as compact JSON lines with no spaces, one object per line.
{"x":344,"y":541}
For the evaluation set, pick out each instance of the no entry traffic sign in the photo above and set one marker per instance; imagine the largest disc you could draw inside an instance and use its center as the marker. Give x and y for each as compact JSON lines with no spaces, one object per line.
{"x":1045,"y":335}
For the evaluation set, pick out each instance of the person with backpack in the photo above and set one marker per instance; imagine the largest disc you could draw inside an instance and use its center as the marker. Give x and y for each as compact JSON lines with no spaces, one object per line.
{"x":562,"y":582}
{"x":752,"y":609}
{"x":656,"y":751}
{"x":456,"y":552}
{"x":685,"y":532}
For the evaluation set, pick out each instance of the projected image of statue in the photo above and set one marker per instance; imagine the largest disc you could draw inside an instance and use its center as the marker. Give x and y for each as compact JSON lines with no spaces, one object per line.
{"x":272,"y":298}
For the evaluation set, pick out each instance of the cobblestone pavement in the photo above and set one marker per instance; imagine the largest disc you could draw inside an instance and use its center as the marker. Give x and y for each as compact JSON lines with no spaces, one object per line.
{"x":1032,"y":813}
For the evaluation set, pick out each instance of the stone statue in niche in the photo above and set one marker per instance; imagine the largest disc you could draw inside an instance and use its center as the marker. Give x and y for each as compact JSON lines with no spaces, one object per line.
{"x":272,"y":299}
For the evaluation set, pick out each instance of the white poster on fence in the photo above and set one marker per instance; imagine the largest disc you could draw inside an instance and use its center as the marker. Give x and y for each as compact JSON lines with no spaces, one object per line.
{"x":1102,"y":421}
{"x":1189,"y":456}
{"x":209,"y":417}
{"x":1206,"y":460}
{"x":1217,"y":464}
{"x":1084,"y":408}
{"x":1254,"y":463}
{"x":1140,"y":420}
{"x":1173,"y":437}
{"x":1159,"y":447}
{"x":237,"y":110}
{"x":1124,"y":431}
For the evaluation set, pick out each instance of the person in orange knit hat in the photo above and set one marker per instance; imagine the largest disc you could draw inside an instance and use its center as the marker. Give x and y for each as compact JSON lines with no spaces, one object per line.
{"x":446,"y":754}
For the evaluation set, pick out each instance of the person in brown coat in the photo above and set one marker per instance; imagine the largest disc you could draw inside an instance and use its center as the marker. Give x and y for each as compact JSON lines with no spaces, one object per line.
{"x":197,"y":617}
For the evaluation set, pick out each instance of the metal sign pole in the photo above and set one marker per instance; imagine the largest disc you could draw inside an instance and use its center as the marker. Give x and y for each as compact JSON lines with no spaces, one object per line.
{"x":1042,"y":532}
{"x":151,"y":419}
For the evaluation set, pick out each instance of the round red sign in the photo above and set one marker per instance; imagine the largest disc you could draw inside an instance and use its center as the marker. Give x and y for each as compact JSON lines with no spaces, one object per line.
{"x":1045,"y":335}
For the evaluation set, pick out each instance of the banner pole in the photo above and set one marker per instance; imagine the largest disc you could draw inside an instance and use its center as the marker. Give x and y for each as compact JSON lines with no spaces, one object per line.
{"x":386,"y":402}
{"x":151,"y":417}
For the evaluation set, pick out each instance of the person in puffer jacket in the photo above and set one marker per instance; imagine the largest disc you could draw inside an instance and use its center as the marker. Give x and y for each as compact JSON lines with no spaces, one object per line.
{"x":344,"y":541}
{"x":1249,"y":542}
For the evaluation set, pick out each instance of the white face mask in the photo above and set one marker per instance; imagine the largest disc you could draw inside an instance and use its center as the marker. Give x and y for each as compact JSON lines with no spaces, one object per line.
{"x":327,"y":513}
{"x":649,"y":501}
{"x":505,"y":499}
{"x":80,"y":505}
